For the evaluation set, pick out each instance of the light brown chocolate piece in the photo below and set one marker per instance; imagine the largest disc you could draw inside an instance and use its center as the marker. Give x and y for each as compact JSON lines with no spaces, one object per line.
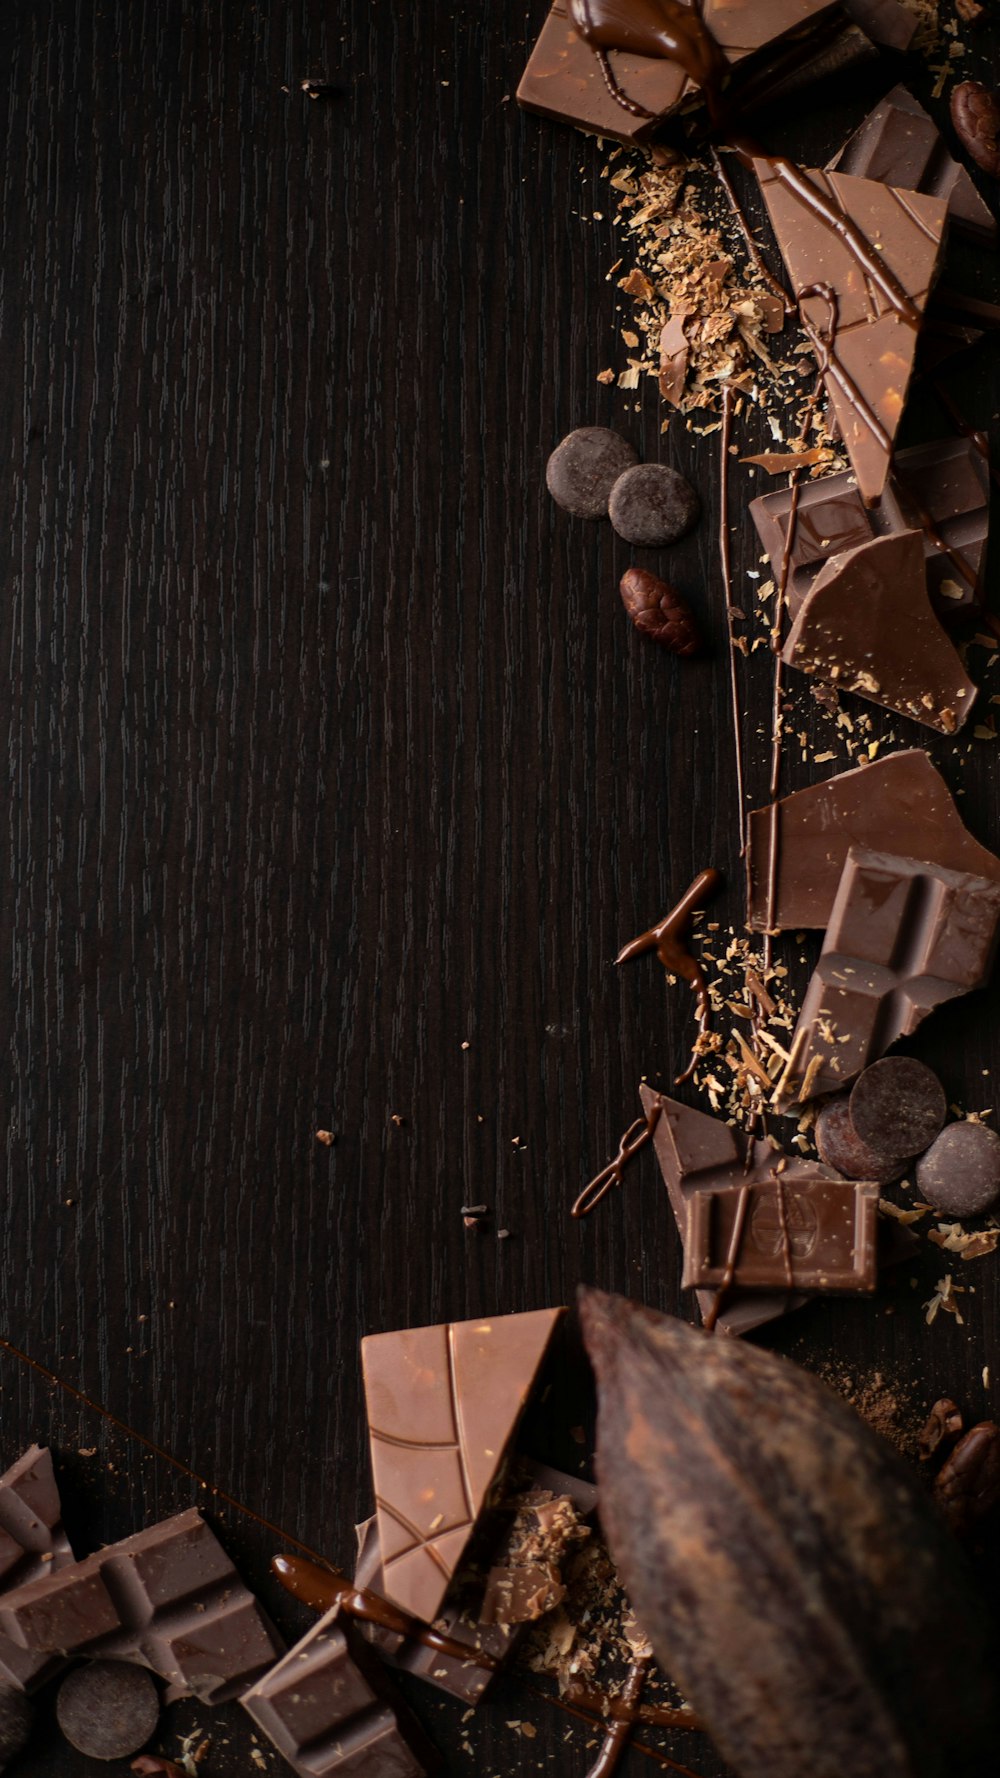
{"x":900,"y":144}
{"x":813,"y":1233}
{"x":867,"y":627}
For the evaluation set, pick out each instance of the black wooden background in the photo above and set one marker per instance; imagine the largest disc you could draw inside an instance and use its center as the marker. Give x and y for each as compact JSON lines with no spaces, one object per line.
{"x":337,"y":775}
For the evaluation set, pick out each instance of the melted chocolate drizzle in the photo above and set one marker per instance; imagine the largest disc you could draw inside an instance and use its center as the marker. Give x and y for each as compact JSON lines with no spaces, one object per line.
{"x":636,"y":1137}
{"x":665,"y":939}
{"x":617,"y":1737}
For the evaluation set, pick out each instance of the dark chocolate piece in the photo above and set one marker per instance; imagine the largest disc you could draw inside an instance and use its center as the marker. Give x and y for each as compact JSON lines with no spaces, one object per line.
{"x":960,"y":1172}
{"x":898,"y":1106}
{"x":903,"y":938}
{"x":900,"y":144}
{"x":816,"y":1234}
{"x":899,"y":804}
{"x":652,"y":506}
{"x":583,"y":469}
{"x":330,"y":1708}
{"x":886,"y":22}
{"x":867,"y":627}
{"x":17,"y":1716}
{"x":864,"y":335}
{"x":839,"y":1146}
{"x":168,"y":1598}
{"x":33,"y":1545}
{"x":443,"y":1405}
{"x":108,"y":1709}
{"x":941,"y":490}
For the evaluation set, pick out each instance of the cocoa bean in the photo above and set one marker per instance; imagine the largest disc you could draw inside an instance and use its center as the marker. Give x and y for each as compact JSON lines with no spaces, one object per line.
{"x":975,"y":116}
{"x":788,"y":1571}
{"x":659,"y":612}
{"x":942,"y":1426}
{"x":967,"y":1486}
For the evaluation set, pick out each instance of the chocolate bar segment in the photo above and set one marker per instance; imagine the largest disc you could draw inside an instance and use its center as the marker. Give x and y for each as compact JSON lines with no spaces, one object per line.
{"x":900,"y":144}
{"x":886,"y":22}
{"x":443,"y":1405}
{"x":861,"y":324}
{"x":168,"y":1598}
{"x":904,"y":937}
{"x":33,"y":1545}
{"x":814,"y":1234}
{"x":899,"y":804}
{"x":866,"y":626}
{"x":941,"y":490}
{"x":331,"y":1710}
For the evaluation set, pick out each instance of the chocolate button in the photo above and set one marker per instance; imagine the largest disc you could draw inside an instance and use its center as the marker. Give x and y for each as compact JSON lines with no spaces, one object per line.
{"x":651,"y":505}
{"x":582,"y":471}
{"x":960,"y":1173}
{"x":841,"y":1147}
{"x":897,"y":1106}
{"x":108,"y":1709}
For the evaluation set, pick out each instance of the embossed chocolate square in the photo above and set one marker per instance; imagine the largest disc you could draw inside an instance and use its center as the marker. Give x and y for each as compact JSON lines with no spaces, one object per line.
{"x":806,"y":1233}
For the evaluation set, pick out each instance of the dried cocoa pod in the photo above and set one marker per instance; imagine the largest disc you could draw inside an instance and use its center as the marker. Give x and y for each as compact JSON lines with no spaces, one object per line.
{"x":942,"y":1426}
{"x":659,"y":612}
{"x":967,"y":1486}
{"x":787,"y":1570}
{"x":975,"y":116}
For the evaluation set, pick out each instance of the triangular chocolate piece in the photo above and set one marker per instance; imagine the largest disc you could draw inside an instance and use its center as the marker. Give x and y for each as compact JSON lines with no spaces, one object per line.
{"x":867,"y":626}
{"x":443,"y":1405}
{"x":900,"y":144}
{"x":33,"y":1544}
{"x":862,"y":282}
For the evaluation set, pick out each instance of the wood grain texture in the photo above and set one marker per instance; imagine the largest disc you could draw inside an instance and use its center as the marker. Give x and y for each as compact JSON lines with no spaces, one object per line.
{"x":331,"y":750}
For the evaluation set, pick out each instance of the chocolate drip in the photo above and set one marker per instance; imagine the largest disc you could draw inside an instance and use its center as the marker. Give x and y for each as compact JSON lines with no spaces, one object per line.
{"x":732,"y":1259}
{"x":617,"y":1737}
{"x":636,"y":1137}
{"x":323,"y":1588}
{"x":727,"y":593}
{"x":663,"y":28}
{"x":665,"y":939}
{"x":757,"y":259}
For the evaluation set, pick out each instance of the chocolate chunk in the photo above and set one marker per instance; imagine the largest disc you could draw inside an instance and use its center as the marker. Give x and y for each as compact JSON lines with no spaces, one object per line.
{"x":960,"y":1173}
{"x":168,"y":1598}
{"x":652,"y":505}
{"x":583,"y":469}
{"x":330,"y":1708}
{"x":841,"y":1147}
{"x":17,"y":1716}
{"x":903,"y":938}
{"x":941,"y":490}
{"x":815,"y":1234}
{"x":942,"y":1427}
{"x":867,"y":627}
{"x":443,"y":1405}
{"x":107,"y":1709}
{"x":898,"y":1106}
{"x":899,"y":804}
{"x":900,"y":144}
{"x":863,"y":329}
{"x":33,"y":1545}
{"x":967,"y":1486}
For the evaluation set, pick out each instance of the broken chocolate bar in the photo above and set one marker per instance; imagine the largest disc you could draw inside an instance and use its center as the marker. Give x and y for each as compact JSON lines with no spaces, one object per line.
{"x":443,"y":1404}
{"x":813,"y":1233}
{"x":900,"y":144}
{"x":168,"y":1598}
{"x":940,"y":489}
{"x":866,"y":626}
{"x":330,"y":1708}
{"x":33,"y":1545}
{"x":900,"y":804}
{"x":903,"y":938}
{"x":861,"y":288}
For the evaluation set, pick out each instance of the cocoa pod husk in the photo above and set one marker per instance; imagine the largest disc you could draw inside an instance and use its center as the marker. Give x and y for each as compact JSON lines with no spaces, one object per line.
{"x":790,"y":1574}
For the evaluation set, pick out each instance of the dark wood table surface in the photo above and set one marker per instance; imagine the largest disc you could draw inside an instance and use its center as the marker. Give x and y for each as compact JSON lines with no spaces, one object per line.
{"x":337,"y":775}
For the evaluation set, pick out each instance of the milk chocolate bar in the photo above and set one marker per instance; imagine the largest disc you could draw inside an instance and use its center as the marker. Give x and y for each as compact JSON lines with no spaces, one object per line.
{"x":940,"y":489}
{"x":33,"y":1544}
{"x":903,"y":938}
{"x":813,"y":1234}
{"x":900,"y":144}
{"x":168,"y":1598}
{"x":443,"y":1405}
{"x":330,"y":1708}
{"x":898,"y":804}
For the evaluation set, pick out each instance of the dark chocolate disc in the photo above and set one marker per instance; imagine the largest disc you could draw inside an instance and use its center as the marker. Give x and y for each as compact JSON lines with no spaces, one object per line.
{"x":841,"y":1147}
{"x":960,"y":1173}
{"x":897,"y":1106}
{"x":651,"y":505}
{"x":108,"y":1709}
{"x":582,"y":471}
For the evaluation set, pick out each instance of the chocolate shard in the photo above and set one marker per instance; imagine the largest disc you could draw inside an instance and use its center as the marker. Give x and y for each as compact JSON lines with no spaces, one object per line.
{"x":443,"y":1405}
{"x":867,"y":627}
{"x":900,"y":804}
{"x":814,"y":1234}
{"x":900,"y":144}
{"x":941,"y":490}
{"x":33,"y":1544}
{"x":903,"y":938}
{"x":330,"y":1708}
{"x":168,"y":1598}
{"x":787,"y":1569}
{"x":863,"y":329}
